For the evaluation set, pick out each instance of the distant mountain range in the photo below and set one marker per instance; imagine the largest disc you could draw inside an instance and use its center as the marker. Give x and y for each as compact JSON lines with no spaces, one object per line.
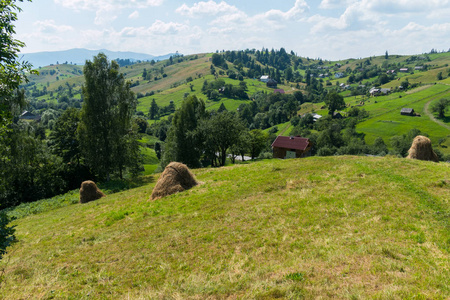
{"x":79,"y":56}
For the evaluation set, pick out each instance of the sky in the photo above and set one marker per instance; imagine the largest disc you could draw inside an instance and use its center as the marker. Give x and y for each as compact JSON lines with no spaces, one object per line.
{"x":327,"y":29}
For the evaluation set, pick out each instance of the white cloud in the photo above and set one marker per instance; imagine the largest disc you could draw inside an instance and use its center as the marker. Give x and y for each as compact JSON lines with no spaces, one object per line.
{"x":50,"y":27}
{"x":334,"y":4}
{"x":206,"y":8}
{"x":107,"y":4}
{"x":299,"y":8}
{"x":134,"y":15}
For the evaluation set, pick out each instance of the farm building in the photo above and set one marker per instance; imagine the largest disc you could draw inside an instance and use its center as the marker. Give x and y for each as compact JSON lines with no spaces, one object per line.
{"x":272,"y":84}
{"x":407,"y":112}
{"x":26,"y":115}
{"x":264,"y":78}
{"x":291,"y":147}
{"x":404,"y":70}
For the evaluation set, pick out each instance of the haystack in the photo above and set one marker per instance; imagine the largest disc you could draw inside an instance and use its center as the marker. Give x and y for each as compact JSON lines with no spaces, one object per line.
{"x":421,"y":149}
{"x":90,"y":192}
{"x":175,"y":178}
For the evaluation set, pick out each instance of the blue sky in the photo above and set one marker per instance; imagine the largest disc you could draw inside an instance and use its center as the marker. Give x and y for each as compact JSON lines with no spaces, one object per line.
{"x":329,"y":29}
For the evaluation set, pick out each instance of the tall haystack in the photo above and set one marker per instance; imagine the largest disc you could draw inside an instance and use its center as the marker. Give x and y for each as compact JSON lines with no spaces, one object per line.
{"x":421,"y":149}
{"x":175,"y":178}
{"x":90,"y":192}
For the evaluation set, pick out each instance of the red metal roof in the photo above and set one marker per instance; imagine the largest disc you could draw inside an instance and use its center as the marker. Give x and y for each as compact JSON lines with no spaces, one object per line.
{"x":293,"y":142}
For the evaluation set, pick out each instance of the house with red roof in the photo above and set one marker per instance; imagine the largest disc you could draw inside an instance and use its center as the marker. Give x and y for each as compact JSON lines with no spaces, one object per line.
{"x":291,"y":147}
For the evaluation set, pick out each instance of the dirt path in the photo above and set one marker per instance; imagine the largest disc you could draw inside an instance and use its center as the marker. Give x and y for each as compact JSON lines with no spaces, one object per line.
{"x":432,"y":116}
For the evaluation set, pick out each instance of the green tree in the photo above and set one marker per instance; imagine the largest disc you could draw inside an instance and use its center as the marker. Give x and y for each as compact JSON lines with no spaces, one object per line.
{"x":334,"y":101}
{"x":11,"y":102}
{"x":440,"y":107}
{"x":63,"y":138}
{"x":106,"y":129}
{"x":183,"y":142}
{"x":439,"y":76}
{"x":221,"y":131}
{"x":154,"y":110}
{"x":257,"y":142}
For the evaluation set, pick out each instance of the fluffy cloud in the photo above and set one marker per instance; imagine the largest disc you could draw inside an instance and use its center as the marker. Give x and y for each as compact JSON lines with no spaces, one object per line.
{"x":299,"y":8}
{"x":134,"y":15}
{"x":107,"y":4}
{"x":50,"y":27}
{"x":206,"y":8}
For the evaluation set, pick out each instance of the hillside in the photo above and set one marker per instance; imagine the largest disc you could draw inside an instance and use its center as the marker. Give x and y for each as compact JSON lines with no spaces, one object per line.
{"x":321,"y":227}
{"x":168,"y":82}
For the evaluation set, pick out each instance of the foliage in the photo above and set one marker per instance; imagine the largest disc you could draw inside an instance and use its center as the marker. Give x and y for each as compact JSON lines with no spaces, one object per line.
{"x":334,"y":102}
{"x":7,"y":237}
{"x":183,"y":143}
{"x":220,"y":132}
{"x":106,"y":130}
{"x":440,"y":107}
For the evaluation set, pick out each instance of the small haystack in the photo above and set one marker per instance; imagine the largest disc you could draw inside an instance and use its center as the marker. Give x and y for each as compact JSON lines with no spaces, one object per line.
{"x":421,"y":149}
{"x":175,"y":178}
{"x":90,"y":192}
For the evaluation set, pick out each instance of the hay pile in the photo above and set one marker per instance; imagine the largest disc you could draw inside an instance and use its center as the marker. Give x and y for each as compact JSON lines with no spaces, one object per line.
{"x":175,"y":178}
{"x":90,"y":192}
{"x":421,"y":149}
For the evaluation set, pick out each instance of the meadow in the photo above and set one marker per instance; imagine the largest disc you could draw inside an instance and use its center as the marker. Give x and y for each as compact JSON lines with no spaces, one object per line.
{"x":321,"y":227}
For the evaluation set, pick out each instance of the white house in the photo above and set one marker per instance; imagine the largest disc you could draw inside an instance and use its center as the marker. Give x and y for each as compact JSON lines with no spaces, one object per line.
{"x":264,"y":78}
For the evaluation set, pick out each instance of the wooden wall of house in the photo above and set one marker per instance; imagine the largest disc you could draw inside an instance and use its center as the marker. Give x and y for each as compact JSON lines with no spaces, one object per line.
{"x":281,"y":152}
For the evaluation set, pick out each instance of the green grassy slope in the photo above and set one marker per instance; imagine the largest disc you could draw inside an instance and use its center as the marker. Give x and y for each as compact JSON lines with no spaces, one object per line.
{"x":321,"y":227}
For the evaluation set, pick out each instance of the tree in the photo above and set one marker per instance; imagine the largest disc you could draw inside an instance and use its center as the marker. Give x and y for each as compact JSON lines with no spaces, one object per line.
{"x":439,"y":76}
{"x":334,"y":102}
{"x":154,"y":110}
{"x":221,"y":131}
{"x":257,"y":142}
{"x":63,"y":138}
{"x":386,"y":55}
{"x":440,"y":107}
{"x":183,"y":142}
{"x":11,"y":102}
{"x":106,"y":128}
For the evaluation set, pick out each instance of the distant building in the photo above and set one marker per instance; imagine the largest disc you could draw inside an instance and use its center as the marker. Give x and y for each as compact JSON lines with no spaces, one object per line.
{"x":291,"y":147}
{"x":407,"y":112}
{"x":264,"y":78}
{"x":404,"y":70}
{"x":272,"y":84}
{"x":316,"y":117}
{"x":338,"y":75}
{"x":418,"y":68}
{"x":26,"y":115}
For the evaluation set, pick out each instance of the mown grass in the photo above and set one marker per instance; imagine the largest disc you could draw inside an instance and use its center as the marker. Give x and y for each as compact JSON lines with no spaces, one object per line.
{"x":385,"y":120}
{"x":321,"y":227}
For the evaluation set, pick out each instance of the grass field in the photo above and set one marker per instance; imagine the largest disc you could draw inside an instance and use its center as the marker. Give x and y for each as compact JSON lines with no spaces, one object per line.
{"x":385,"y":120}
{"x":322,"y":227}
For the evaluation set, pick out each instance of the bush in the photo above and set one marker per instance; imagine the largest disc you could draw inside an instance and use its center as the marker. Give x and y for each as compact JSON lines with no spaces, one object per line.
{"x":7,"y":237}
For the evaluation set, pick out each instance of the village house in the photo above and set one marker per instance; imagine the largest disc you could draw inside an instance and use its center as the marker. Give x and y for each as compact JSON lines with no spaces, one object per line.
{"x":264,"y":78}
{"x":272,"y":84}
{"x":26,"y":115}
{"x":404,"y":70}
{"x":291,"y":147}
{"x":407,"y":112}
{"x":377,"y":91}
{"x":338,"y":75}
